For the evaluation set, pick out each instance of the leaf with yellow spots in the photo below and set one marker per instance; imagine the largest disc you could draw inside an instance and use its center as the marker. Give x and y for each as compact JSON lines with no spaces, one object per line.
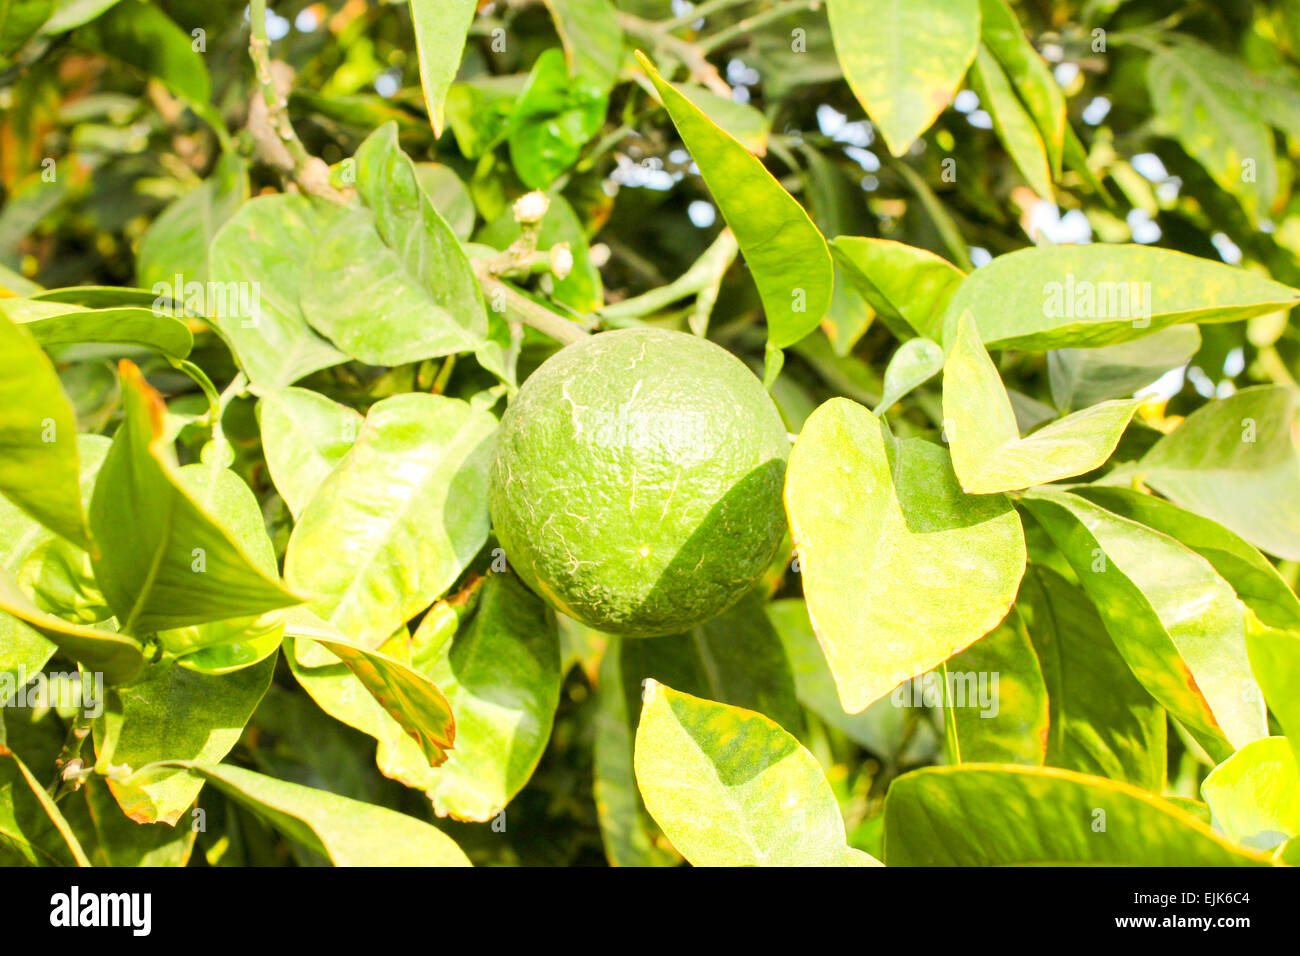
{"x":410,"y":698}
{"x":904,"y":59}
{"x":731,"y":788}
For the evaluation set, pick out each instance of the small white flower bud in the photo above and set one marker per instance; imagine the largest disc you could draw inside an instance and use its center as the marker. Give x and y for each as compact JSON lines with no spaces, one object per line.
{"x":561,"y":260}
{"x":531,"y":207}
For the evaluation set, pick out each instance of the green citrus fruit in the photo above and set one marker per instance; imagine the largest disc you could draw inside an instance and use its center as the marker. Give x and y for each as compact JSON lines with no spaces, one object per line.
{"x":637,"y":481}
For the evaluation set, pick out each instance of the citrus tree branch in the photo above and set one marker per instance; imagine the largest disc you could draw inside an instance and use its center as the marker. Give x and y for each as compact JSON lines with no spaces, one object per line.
{"x":738,"y":29}
{"x":695,"y":60}
{"x":291,"y":157}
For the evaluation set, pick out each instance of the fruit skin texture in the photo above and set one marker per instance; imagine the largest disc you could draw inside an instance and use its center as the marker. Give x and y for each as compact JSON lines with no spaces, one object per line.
{"x":637,"y":481}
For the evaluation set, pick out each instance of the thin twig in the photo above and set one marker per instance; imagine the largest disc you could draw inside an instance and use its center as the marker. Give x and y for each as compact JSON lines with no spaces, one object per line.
{"x":720,"y":39}
{"x":519,"y":308}
{"x":306,"y":170}
{"x":702,"y":71}
{"x":703,"y":11}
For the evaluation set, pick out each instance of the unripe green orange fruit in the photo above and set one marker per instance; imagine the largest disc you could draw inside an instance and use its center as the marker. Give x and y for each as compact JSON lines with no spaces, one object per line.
{"x":637,"y":481}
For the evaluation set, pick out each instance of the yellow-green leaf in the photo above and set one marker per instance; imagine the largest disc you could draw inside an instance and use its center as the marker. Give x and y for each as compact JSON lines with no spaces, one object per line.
{"x":1254,"y":795}
{"x":988,"y":453}
{"x":786,"y":255}
{"x":997,"y":815}
{"x":38,"y":437}
{"x":901,"y":569}
{"x":164,"y":561}
{"x":904,"y":59}
{"x":346,"y":832}
{"x":763,"y":803}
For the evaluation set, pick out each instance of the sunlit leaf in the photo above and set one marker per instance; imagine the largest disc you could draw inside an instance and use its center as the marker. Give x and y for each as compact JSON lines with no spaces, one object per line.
{"x":1234,"y":461}
{"x":172,"y":714}
{"x":786,"y":255}
{"x":901,"y":282}
{"x":501,"y":675}
{"x":766,"y":803}
{"x":38,"y":437}
{"x":165,"y":562}
{"x":900,"y":569}
{"x":904,"y":59}
{"x":1051,"y":296}
{"x":1255,"y":794}
{"x":440,"y":30}
{"x":975,"y":816}
{"x":345,"y":832}
{"x":398,"y":519}
{"x":1176,"y":622}
{"x":988,"y":453}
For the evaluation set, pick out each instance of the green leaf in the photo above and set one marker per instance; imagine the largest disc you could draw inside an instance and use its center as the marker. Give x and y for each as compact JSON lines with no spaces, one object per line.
{"x":764,"y":804}
{"x":449,"y":195}
{"x":736,"y":658}
{"x":1254,"y":578}
{"x":915,"y":363}
{"x":38,"y":438}
{"x":340,"y":693}
{"x":56,"y":323}
{"x":218,"y":647}
{"x":408,"y":696}
{"x":1083,"y":377}
{"x":346,"y":832}
{"x":19,"y":21}
{"x":1009,"y":816}
{"x":740,"y":120}
{"x":995,"y":703}
{"x":1030,"y":76}
{"x":901,"y":570}
{"x":988,"y":453}
{"x":23,"y":651}
{"x":1255,"y":794}
{"x":391,"y":282}
{"x":73,"y":13}
{"x":304,"y":435}
{"x":98,"y":296}
{"x":1234,"y":461}
{"x":501,"y":675}
{"x":440,"y":30}
{"x":904,"y":284}
{"x":592,"y":38}
{"x":165,"y":561}
{"x":1203,"y":107}
{"x":1015,"y":127}
{"x":176,"y":243}
{"x":259,"y":255}
{"x":1102,"y":720}
{"x":32,"y":830}
{"x":627,"y":831}
{"x":172,"y":714}
{"x":785,"y":253}
{"x":904,"y":59}
{"x":1275,"y":660}
{"x":1176,"y":622}
{"x":1048,"y":297}
{"x":116,"y":656}
{"x":143,"y":36}
{"x":554,"y":117}
{"x":398,"y":519}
